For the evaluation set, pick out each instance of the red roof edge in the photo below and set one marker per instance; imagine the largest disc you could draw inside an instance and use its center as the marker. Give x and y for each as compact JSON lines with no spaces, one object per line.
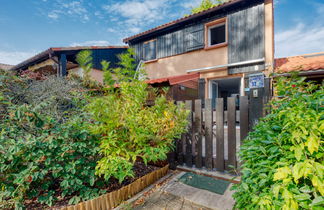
{"x":174,"y":79}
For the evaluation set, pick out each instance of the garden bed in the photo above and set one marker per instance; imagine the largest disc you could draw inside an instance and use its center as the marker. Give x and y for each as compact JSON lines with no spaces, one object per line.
{"x":114,"y":198}
{"x":117,"y":192}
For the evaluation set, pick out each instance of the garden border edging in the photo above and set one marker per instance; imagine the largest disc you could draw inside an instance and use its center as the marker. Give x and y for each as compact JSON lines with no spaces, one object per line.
{"x":113,"y":199}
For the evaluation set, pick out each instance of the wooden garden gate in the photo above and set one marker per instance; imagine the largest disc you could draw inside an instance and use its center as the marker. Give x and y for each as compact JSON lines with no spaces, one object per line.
{"x":215,"y":132}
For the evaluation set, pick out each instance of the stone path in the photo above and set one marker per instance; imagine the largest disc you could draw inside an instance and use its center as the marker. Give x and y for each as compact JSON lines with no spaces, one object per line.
{"x":174,"y":195}
{"x":161,"y":200}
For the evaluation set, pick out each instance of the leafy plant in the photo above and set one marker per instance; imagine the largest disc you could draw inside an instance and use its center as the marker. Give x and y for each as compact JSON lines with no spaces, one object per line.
{"x":42,"y":157}
{"x":283,"y":158}
{"x":84,"y":59}
{"x":206,"y":4}
{"x":130,"y":130}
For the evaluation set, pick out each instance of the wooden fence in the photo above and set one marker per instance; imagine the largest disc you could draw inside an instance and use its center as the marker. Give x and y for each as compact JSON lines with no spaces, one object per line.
{"x":214,"y":134}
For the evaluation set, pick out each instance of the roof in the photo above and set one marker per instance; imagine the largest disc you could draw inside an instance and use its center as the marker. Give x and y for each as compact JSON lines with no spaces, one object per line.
{"x":184,"y":19}
{"x":49,"y":52}
{"x":309,"y":62}
{"x":174,"y":79}
{"x":5,"y":66}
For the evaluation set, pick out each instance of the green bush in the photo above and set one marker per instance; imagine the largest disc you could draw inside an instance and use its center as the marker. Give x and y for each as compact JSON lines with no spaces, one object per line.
{"x":129,"y":129}
{"x":43,"y":159}
{"x":42,"y":156}
{"x":283,"y":158}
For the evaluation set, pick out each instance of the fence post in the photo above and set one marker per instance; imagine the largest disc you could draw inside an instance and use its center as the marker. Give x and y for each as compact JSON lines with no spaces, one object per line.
{"x":189,"y":136}
{"x":220,"y":164}
{"x":179,"y":145}
{"x":208,"y":134}
{"x":231,"y":124}
{"x":198,"y":133}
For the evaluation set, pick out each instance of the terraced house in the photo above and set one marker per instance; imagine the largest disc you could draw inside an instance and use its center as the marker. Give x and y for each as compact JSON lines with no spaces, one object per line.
{"x":224,"y":51}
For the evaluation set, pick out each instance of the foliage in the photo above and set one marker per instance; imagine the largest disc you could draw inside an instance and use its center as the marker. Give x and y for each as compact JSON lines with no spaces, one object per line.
{"x":283,"y":158}
{"x":84,"y":59}
{"x":43,"y":159}
{"x":206,"y":4}
{"x":55,"y":96}
{"x":129,"y":130}
{"x":41,"y":156}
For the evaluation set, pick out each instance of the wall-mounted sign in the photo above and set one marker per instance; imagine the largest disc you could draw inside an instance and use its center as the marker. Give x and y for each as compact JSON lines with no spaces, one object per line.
{"x":256,"y":81}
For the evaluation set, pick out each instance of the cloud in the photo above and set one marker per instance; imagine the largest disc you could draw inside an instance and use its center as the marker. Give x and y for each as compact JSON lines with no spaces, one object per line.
{"x":15,"y":57}
{"x":136,"y":14}
{"x":303,"y":38}
{"x":53,"y":15}
{"x":91,"y":43}
{"x":190,"y":4}
{"x":299,"y":40}
{"x":61,"y":8}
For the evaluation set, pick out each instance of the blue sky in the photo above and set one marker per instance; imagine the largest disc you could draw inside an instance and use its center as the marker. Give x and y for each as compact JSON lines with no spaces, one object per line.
{"x":30,"y":26}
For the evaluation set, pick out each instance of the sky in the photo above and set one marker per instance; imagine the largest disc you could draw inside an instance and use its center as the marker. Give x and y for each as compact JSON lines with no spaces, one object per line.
{"x":28,"y":27}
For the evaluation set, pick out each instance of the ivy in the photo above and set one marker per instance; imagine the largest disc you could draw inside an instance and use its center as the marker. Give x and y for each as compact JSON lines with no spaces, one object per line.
{"x":283,"y":157}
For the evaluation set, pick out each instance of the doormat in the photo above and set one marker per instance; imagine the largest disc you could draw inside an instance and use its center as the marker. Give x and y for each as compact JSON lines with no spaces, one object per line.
{"x":205,"y":183}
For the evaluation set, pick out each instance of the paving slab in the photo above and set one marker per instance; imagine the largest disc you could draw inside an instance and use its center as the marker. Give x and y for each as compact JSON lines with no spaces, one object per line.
{"x":170,"y":194}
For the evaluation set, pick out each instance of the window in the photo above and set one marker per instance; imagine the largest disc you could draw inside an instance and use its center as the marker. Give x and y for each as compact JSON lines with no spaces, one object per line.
{"x":150,"y":50}
{"x":216,"y":33}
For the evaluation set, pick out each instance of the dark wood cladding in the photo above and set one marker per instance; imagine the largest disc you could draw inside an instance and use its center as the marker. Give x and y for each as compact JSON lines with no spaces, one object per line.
{"x":246,"y":38}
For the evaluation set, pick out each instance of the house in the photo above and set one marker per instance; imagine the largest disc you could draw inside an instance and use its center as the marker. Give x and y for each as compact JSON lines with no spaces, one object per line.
{"x":5,"y":66}
{"x":61,"y":61}
{"x":228,"y":50}
{"x":310,"y":66}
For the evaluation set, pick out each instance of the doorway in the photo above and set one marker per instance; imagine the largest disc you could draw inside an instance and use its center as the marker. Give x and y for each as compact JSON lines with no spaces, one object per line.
{"x":224,"y":88}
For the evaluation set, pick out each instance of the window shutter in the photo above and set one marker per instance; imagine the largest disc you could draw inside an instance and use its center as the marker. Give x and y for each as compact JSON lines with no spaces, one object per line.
{"x":194,"y":37}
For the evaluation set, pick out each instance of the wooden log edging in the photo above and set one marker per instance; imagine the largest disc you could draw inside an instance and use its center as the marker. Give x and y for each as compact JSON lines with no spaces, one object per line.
{"x":113,"y":199}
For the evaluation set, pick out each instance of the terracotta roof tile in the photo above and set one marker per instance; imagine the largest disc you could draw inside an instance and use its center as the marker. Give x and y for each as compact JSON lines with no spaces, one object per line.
{"x":308,"y":62}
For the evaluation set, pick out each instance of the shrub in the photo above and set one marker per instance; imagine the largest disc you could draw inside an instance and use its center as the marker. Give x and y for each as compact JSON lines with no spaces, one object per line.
{"x":283,"y":157}
{"x":129,"y":130}
{"x":41,"y":156}
{"x":43,"y":159}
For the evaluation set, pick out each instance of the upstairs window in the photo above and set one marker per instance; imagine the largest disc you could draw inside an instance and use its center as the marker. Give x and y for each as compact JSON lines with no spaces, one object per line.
{"x":216,"y":33}
{"x":149,"y":49}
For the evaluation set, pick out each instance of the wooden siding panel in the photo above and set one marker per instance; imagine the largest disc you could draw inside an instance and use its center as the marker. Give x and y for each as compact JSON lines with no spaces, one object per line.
{"x":246,"y":38}
{"x":170,"y":44}
{"x":194,"y":37}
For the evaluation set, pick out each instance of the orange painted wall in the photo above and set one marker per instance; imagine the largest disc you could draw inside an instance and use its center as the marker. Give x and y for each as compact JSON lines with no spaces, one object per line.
{"x":180,"y":64}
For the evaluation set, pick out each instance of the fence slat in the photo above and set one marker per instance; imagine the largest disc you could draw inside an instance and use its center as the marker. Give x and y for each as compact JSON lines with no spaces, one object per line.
{"x":208,"y":134}
{"x":198,"y":136}
{"x":189,"y":136}
{"x":180,"y":151}
{"x":220,"y":164}
{"x":244,"y":117}
{"x":231,"y":122}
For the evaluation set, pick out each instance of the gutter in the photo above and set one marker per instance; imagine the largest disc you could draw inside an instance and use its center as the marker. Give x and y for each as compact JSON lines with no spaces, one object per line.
{"x":250,"y":62}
